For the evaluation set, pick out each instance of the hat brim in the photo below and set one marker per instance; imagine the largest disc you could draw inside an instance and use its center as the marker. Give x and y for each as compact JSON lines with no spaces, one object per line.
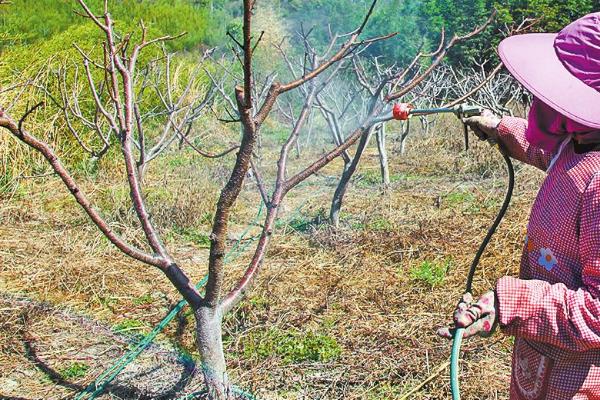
{"x":532,"y":60}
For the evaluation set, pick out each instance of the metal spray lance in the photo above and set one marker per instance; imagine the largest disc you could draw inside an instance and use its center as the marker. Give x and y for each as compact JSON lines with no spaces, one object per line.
{"x":403,"y":111}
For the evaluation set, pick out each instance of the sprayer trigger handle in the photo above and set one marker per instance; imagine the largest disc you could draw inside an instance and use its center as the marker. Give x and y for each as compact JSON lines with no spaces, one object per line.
{"x":466,"y":111}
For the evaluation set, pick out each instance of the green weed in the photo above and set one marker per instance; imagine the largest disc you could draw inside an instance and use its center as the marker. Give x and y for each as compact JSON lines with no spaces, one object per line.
{"x":276,"y":133}
{"x":207,"y":218}
{"x":178,"y":160}
{"x":74,"y":371}
{"x":358,"y":225}
{"x":469,"y":202}
{"x":373,"y":178}
{"x":129,"y":325}
{"x":303,"y":223}
{"x":380,"y":223}
{"x":145,"y":299}
{"x":430,"y":272}
{"x":457,"y":199}
{"x":259,"y":303}
{"x":291,"y":346}
{"x":404,"y":177}
{"x":193,"y":235}
{"x":383,"y":391}
{"x":86,"y":166}
{"x":114,"y":197}
{"x":107,"y":301}
{"x":330,"y":322}
{"x":369,"y":178}
{"x":8,"y":184}
{"x":300,"y":224}
{"x":161,"y":196}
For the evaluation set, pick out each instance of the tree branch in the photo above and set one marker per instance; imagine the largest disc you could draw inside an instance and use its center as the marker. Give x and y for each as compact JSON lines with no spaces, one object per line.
{"x":24,"y":136}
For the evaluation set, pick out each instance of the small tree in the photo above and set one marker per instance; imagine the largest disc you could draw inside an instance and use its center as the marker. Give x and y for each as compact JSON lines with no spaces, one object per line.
{"x":171,"y":97}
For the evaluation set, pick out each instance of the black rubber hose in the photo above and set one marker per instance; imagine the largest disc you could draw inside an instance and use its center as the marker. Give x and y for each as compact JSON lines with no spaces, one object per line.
{"x":458,"y":334}
{"x":507,"y":198}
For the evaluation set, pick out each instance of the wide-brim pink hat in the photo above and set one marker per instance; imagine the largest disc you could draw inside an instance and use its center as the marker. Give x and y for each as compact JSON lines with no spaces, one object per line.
{"x":562,"y":70}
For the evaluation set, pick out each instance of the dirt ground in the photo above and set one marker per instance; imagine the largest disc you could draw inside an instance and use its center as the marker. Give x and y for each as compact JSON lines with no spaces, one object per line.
{"x":336,"y":314}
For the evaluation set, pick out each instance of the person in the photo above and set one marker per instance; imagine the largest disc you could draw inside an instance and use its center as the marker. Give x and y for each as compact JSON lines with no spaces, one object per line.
{"x":553,"y":307}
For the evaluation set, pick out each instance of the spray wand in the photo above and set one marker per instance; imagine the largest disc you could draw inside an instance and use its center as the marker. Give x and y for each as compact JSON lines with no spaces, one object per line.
{"x":402,"y":111}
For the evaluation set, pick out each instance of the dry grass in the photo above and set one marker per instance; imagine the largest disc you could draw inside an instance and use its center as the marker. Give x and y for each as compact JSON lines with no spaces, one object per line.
{"x":354,"y":287}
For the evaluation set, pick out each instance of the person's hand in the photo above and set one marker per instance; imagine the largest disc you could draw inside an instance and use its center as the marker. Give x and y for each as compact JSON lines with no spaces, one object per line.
{"x":485,"y":126}
{"x":477,"y":318}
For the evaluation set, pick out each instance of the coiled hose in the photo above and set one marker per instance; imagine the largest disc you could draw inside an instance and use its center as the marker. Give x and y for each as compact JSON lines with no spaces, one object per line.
{"x":458,"y":334}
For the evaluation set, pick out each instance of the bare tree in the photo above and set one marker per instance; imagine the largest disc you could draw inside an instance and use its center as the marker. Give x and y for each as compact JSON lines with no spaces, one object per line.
{"x":384,"y":86}
{"x":181,"y":97}
{"x":495,"y":91}
{"x":119,"y":65}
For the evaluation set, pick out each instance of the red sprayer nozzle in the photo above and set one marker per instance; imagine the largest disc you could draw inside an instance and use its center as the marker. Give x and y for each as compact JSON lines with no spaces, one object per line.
{"x":401,"y":111}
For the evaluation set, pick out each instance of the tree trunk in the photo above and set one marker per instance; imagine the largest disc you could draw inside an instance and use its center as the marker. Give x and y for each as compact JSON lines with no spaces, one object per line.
{"x":338,"y":196}
{"x":349,"y":169}
{"x":404,"y":136}
{"x":297,"y":149}
{"x":210,"y":345}
{"x":383,"y":158}
{"x":141,"y":170}
{"x":425,"y":124}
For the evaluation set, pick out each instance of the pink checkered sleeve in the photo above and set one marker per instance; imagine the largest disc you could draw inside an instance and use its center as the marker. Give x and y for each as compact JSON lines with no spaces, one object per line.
{"x":552,"y":313}
{"x":511,"y":133}
{"x":589,"y":239}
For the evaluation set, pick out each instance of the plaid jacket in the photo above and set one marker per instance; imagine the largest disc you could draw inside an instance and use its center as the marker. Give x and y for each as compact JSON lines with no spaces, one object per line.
{"x":553,"y":308}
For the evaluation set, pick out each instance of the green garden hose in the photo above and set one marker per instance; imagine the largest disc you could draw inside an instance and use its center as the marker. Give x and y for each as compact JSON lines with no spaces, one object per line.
{"x":458,"y":334}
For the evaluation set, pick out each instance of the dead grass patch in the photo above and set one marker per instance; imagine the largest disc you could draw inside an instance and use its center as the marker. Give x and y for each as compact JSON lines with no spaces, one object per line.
{"x":352,"y":286}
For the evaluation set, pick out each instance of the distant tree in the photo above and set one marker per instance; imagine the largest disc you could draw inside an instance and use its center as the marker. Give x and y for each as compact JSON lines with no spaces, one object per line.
{"x":419,"y":22}
{"x":553,"y":15}
{"x":321,"y":16}
{"x":459,"y":15}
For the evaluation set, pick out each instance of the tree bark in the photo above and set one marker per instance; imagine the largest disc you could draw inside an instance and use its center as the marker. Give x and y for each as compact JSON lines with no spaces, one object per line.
{"x":338,"y":196}
{"x":210,"y":344}
{"x":383,"y":158}
{"x":404,"y":136}
{"x":349,"y":169}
